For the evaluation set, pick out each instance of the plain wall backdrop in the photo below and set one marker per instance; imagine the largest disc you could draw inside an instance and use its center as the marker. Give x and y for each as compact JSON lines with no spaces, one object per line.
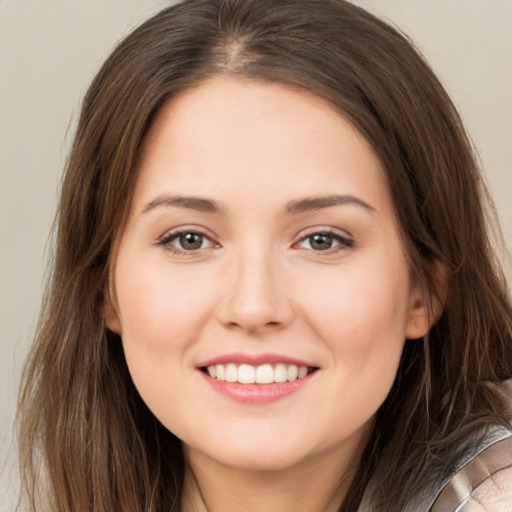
{"x":49,"y":51}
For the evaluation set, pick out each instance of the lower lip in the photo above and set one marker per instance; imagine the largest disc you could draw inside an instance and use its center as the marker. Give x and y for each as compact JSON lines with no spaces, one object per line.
{"x":257,"y":393}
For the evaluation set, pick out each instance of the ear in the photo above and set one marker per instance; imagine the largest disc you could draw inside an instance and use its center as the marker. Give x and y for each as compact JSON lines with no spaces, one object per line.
{"x":110,"y":314}
{"x":426,"y":308}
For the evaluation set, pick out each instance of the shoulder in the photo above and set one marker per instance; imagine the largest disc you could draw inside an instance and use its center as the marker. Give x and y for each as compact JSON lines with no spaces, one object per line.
{"x":494,"y":494}
{"x":483,"y":479}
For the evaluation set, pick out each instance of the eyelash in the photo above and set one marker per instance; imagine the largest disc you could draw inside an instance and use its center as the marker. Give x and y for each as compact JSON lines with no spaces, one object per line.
{"x":344,"y":243}
{"x":168,"y":238}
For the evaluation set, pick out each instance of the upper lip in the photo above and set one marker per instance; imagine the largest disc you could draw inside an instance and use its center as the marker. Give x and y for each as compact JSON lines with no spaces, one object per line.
{"x":255,"y":360}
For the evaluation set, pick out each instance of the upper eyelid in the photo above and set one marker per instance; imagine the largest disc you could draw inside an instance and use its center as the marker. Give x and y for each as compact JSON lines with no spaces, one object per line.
{"x":180,"y":230}
{"x":345,"y":241}
{"x":166,"y":241}
{"x":176,"y":234}
{"x":324,"y":229}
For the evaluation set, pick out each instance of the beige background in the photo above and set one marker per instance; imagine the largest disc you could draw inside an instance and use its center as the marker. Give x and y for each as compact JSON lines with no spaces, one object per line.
{"x":49,"y":50}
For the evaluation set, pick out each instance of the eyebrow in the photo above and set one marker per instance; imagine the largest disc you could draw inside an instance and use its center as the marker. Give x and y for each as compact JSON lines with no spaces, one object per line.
{"x":193,"y":203}
{"x":317,"y":203}
{"x":308,"y":204}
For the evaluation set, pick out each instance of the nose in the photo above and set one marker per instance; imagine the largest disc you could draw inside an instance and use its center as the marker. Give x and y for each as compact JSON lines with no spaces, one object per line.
{"x":255,"y":299}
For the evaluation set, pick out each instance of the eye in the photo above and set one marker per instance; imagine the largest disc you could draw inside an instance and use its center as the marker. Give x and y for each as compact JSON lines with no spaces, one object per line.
{"x":324,"y":241}
{"x":186,"y":241}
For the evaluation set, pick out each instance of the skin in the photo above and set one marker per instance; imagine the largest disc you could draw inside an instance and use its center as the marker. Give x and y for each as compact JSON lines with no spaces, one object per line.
{"x":257,"y":285}
{"x":494,"y":494}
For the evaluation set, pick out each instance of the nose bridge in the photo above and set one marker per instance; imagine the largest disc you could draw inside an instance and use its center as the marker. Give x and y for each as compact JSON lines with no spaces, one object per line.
{"x":254,"y":269}
{"x":254,"y":297}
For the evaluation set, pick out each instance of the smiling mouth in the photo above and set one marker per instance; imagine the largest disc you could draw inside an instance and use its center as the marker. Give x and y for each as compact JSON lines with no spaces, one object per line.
{"x":262,"y":374}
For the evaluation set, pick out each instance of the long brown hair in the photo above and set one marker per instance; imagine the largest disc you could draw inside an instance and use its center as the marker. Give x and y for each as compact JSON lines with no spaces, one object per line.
{"x":87,"y":441}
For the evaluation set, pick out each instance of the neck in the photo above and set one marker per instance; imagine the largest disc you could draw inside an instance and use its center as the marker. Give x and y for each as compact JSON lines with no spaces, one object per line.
{"x":313,"y":485}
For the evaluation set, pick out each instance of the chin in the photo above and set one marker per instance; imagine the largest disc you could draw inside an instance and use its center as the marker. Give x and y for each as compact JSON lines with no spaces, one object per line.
{"x":268,"y":459}
{"x":249,"y":451}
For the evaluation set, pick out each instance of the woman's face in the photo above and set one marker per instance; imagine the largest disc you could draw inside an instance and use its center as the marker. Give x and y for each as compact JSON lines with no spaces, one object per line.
{"x":262,"y":245}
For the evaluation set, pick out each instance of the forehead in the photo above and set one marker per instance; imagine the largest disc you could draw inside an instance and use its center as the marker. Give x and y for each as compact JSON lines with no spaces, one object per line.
{"x":245,"y":134}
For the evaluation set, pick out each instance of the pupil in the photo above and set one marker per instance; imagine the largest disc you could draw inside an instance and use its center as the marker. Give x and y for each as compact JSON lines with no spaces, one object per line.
{"x":321,"y":242}
{"x":191,"y":241}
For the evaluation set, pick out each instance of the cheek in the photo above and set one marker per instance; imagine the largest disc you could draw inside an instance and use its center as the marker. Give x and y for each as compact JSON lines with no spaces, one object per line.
{"x":355,"y":302}
{"x":160,"y":308}
{"x":361,"y":315}
{"x":160,"y":320}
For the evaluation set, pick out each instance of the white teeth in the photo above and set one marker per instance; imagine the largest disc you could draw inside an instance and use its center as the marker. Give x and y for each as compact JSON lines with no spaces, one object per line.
{"x":293,"y":372}
{"x":246,"y":374}
{"x":303,"y":371}
{"x":280,"y":373}
{"x":263,"y":374}
{"x":231,"y":372}
{"x":220,"y":371}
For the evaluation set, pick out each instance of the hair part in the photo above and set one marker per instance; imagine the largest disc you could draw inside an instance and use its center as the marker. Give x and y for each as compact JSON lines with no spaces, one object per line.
{"x":102,"y":449}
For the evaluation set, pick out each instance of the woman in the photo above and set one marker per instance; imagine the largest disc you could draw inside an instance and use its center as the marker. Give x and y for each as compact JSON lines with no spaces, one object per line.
{"x":274,"y":287}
